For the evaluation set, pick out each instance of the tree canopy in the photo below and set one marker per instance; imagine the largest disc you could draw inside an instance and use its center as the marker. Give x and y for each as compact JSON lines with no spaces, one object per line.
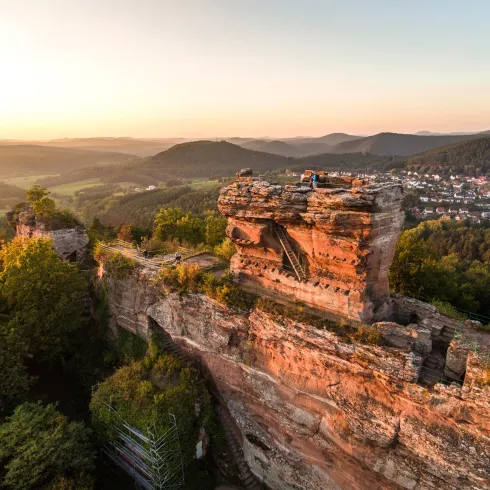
{"x":39,"y":446}
{"x":447,"y":261}
{"x":44,"y":296}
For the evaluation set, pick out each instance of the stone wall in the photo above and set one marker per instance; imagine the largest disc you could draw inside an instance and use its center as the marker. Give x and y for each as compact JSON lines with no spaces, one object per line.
{"x":344,"y":238}
{"x":319,"y":412}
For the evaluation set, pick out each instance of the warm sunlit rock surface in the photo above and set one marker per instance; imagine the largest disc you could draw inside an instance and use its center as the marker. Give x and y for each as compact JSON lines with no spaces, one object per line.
{"x":344,"y":237}
{"x":321,"y":407}
{"x":318,"y":412}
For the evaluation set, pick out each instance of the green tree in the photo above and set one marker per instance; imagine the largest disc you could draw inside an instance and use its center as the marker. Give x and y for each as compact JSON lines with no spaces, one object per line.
{"x":215,"y":229}
{"x":44,"y":296}
{"x":44,"y":208}
{"x":190,"y":229}
{"x":36,"y":193}
{"x":14,"y":381}
{"x":166,"y":220}
{"x":38,"y":446}
{"x":174,"y":223}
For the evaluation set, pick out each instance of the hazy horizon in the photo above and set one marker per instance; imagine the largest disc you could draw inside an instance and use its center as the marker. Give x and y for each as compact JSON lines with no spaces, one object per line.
{"x":224,"y":137}
{"x":161,"y":69}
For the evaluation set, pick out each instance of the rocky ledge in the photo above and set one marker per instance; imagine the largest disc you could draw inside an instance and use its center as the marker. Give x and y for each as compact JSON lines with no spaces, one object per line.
{"x":69,"y":241}
{"x":319,"y":411}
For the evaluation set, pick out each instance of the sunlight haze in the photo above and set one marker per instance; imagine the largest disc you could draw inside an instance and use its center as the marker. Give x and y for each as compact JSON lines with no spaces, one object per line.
{"x":160,"y":68}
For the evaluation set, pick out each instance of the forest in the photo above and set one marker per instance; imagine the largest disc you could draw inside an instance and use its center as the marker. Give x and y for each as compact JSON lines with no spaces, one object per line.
{"x":54,"y":349}
{"x":470,"y":157}
{"x":445,"y":261}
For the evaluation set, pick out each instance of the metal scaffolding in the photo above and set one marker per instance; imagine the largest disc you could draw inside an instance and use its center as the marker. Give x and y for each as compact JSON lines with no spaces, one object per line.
{"x":154,"y":463}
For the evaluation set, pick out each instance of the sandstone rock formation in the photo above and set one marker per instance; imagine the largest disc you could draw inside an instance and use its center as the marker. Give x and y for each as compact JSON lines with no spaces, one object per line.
{"x":403,"y":403}
{"x":69,"y":242}
{"x":317,"y":411}
{"x":343,"y":237}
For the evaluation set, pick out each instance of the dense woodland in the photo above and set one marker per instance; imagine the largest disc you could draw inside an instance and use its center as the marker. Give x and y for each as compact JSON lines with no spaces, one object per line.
{"x":471,"y":157}
{"x":53,"y":351}
{"x":446,"y":261}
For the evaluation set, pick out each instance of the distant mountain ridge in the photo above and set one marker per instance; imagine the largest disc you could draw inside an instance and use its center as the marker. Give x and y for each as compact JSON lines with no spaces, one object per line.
{"x":294,"y":147}
{"x":32,"y":159}
{"x":133,"y":146}
{"x":276,"y":147}
{"x":397,"y":144}
{"x":456,"y":133}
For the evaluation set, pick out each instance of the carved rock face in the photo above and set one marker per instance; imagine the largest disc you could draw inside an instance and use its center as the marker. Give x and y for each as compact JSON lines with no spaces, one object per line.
{"x":343,"y":237}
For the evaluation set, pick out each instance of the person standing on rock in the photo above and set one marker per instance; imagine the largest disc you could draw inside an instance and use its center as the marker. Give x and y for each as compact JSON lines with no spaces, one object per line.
{"x":314,"y":180}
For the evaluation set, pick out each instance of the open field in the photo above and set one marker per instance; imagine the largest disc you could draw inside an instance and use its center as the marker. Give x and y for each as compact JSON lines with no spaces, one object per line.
{"x":26,"y":182}
{"x":72,"y":187}
{"x":203,"y":184}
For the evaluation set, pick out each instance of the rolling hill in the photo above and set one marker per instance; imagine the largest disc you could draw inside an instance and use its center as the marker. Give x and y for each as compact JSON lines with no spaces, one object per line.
{"x":10,"y":195}
{"x":21,"y":160}
{"x":205,"y":159}
{"x":210,"y":158}
{"x":294,"y":147}
{"x":396,"y":144}
{"x":276,"y":147}
{"x":470,"y":156}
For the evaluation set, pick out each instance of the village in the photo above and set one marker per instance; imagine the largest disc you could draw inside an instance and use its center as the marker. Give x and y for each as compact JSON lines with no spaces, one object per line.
{"x":430,"y":196}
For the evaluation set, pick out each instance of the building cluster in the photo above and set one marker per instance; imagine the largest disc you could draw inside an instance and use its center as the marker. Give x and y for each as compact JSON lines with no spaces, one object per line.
{"x":456,"y":197}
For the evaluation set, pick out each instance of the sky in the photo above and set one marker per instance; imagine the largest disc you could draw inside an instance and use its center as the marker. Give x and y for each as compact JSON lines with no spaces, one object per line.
{"x":209,"y":68}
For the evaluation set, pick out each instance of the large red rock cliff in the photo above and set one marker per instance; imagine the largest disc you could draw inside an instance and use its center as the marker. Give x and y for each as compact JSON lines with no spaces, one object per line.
{"x":343,"y":237}
{"x":317,"y":411}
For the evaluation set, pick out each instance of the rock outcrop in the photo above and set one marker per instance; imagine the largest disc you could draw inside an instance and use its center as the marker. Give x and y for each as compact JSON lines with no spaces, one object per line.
{"x":342,"y":240}
{"x":402,"y":403}
{"x":69,"y":240}
{"x":319,"y":411}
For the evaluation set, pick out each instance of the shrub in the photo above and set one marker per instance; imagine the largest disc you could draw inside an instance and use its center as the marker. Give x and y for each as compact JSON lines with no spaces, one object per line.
{"x":184,"y":278}
{"x":44,"y":209}
{"x":448,"y":309}
{"x":131,"y":347}
{"x":190,"y":278}
{"x":62,"y":219}
{"x":225,"y":291}
{"x":116,"y":264}
{"x":367,"y":334}
{"x":226,"y":249}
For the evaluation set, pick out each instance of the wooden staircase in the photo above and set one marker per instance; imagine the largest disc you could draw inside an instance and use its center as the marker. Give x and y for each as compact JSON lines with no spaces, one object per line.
{"x":288,"y":250}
